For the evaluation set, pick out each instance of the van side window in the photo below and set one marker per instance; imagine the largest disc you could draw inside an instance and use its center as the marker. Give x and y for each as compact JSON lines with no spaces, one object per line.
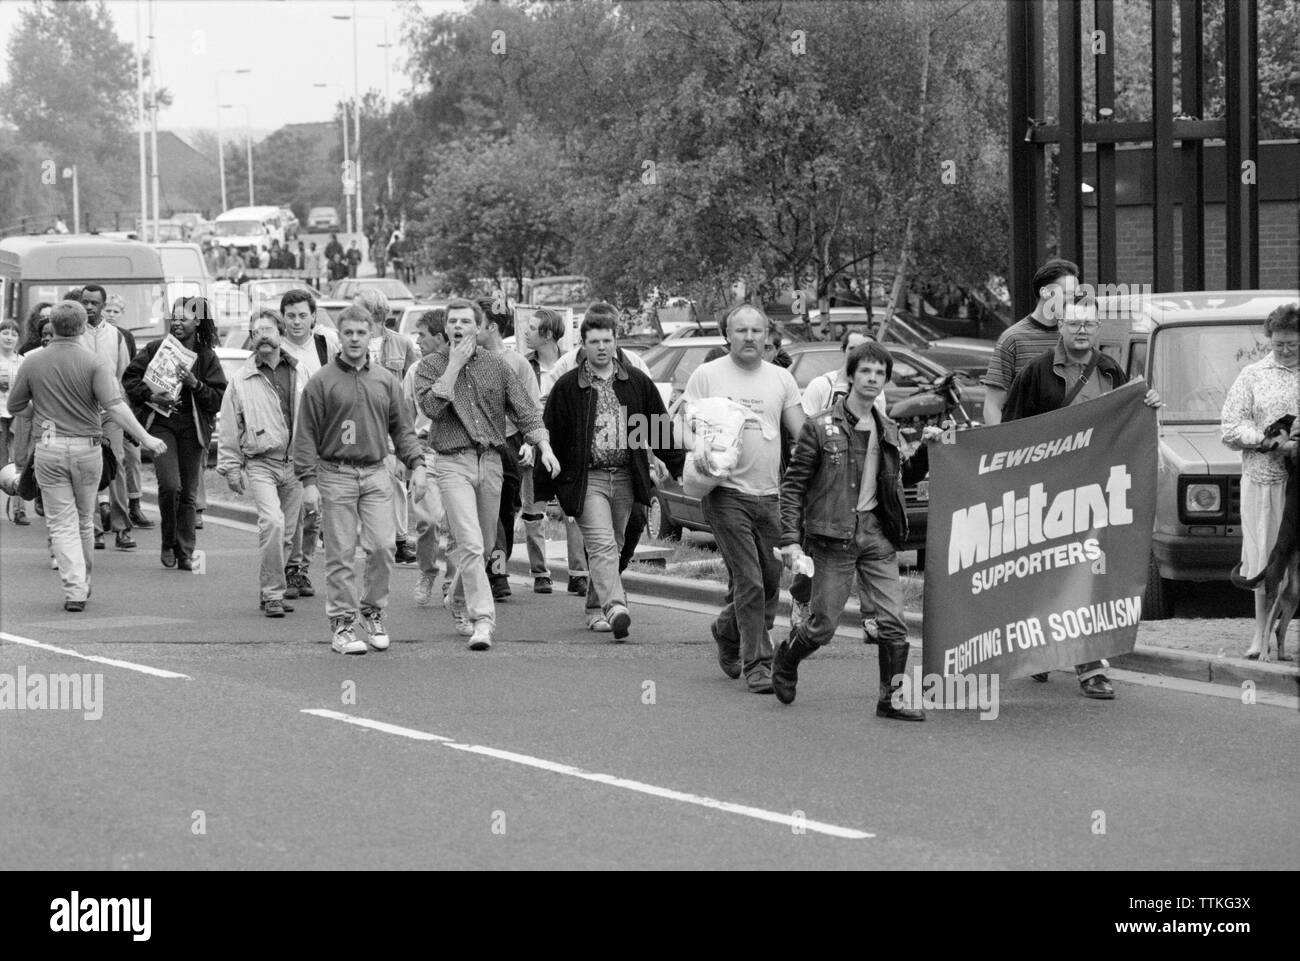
{"x":1137,"y":360}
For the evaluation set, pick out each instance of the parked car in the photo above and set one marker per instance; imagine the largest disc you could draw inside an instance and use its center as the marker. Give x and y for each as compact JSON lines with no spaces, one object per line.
{"x":968,"y":356}
{"x":323,"y":219}
{"x":398,"y":294}
{"x":1191,"y":346}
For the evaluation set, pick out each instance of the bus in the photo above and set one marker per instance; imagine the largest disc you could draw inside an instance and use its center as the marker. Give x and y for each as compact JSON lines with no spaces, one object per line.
{"x":46,"y":267}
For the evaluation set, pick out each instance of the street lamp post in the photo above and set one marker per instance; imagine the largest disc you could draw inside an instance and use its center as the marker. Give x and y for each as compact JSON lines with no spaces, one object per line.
{"x":248,"y":137}
{"x":356,"y":83}
{"x":221,"y":152}
{"x":343,"y":116}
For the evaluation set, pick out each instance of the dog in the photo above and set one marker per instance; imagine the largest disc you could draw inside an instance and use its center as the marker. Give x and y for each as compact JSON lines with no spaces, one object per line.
{"x":1281,"y":576}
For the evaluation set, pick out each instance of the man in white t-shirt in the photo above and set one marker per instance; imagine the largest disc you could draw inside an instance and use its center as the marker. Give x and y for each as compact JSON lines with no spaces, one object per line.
{"x":824,"y":389}
{"x":744,"y":509}
{"x":311,"y":347}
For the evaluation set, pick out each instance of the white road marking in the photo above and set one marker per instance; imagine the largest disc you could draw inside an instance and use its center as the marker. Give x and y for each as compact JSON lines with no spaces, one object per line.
{"x":111,"y":662}
{"x":610,"y":780}
{"x":382,"y":726}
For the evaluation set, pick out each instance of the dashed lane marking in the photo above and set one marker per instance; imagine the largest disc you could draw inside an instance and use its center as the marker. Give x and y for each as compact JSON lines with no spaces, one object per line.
{"x":111,"y":662}
{"x":609,"y":780}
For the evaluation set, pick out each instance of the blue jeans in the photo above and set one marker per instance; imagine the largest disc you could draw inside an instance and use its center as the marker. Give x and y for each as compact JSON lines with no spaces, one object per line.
{"x":351,"y":496}
{"x":870,"y":560}
{"x":278,"y":496}
{"x":68,"y":470}
{"x":747,"y":527}
{"x":603,"y":521}
{"x":470,"y":485}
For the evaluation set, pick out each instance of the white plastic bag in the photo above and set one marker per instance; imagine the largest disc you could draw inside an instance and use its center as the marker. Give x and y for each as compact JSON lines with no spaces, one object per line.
{"x":713,"y":430}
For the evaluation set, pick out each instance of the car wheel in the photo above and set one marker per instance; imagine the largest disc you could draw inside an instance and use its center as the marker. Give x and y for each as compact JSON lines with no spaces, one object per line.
{"x":1158,"y":601}
{"x":659,"y":523}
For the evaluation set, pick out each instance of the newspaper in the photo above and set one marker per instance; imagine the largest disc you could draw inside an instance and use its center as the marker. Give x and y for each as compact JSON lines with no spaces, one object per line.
{"x":164,"y":372}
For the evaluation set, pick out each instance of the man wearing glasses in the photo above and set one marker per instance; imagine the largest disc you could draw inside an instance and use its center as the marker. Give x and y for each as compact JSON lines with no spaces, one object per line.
{"x":1072,"y":372}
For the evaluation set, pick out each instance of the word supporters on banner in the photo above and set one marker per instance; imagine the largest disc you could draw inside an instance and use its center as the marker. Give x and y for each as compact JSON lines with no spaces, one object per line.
{"x":1039,"y":536}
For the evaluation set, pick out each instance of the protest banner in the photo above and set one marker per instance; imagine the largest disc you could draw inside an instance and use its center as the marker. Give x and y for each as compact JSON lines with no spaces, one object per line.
{"x":1038,"y":540}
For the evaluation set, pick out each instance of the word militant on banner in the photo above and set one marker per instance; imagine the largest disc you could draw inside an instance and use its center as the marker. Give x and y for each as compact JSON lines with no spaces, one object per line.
{"x":978,"y":534}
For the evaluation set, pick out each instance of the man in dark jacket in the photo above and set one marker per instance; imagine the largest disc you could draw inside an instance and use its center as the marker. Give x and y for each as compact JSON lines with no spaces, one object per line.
{"x":604,"y":419}
{"x":1072,"y":372}
{"x":842,"y":495}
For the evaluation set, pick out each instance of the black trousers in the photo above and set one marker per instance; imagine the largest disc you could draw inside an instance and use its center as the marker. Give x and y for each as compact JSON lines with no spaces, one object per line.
{"x":180,"y":472}
{"x":511,"y":478}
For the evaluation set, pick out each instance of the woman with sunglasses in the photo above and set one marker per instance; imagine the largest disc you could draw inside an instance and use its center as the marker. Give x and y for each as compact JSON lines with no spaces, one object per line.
{"x":184,"y":420}
{"x":1264,"y":392}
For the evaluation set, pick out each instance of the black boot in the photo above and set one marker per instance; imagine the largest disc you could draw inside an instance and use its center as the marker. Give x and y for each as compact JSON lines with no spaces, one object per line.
{"x":785,"y":665}
{"x":893,"y":661}
{"x":137,"y":516}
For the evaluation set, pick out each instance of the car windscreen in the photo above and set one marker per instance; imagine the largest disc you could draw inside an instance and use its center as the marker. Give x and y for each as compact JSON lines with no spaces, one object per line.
{"x":810,"y":364}
{"x":146,"y":303}
{"x":240,"y":228}
{"x":1193,"y":366}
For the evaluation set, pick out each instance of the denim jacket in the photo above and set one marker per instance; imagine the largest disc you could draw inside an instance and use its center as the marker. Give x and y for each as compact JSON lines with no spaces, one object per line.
{"x":819,"y":492}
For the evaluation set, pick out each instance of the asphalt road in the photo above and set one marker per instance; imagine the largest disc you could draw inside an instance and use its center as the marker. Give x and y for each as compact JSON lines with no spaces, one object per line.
{"x":559,"y":749}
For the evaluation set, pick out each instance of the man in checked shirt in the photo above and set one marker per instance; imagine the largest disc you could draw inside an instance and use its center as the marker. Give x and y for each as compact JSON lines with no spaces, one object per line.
{"x":467,"y":394}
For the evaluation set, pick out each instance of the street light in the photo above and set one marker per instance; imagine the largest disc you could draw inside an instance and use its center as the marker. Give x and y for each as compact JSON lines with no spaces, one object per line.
{"x":356,"y":83}
{"x":347,"y":163}
{"x":221,"y":153}
{"x":248,"y":135}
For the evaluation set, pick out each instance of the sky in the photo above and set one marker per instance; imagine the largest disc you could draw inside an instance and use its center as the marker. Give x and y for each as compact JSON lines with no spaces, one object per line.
{"x":288,"y":44}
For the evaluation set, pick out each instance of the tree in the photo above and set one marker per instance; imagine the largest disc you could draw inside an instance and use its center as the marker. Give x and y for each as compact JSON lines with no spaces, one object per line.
{"x":72,"y":88}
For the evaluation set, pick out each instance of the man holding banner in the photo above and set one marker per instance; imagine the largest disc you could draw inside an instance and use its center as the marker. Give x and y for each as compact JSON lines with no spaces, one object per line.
{"x":1055,"y":573}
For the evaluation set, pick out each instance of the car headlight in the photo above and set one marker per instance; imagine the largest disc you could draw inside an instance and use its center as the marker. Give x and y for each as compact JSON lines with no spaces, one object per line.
{"x":1203,"y":499}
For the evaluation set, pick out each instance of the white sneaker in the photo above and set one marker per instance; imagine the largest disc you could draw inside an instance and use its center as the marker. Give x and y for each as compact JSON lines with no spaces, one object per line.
{"x":481,"y":636}
{"x":373,"y":622}
{"x":346,"y":642}
{"x":463,"y":626}
{"x":424,"y":590}
{"x":597,"y":623}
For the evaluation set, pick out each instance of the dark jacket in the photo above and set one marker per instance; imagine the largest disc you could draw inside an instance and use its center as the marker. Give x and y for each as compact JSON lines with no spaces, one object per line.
{"x":570,"y":417}
{"x":1038,"y":388}
{"x":819,"y":492}
{"x":206,"y":397}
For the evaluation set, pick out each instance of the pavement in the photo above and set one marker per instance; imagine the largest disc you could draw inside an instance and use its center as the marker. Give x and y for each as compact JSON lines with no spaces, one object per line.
{"x":228,"y":740}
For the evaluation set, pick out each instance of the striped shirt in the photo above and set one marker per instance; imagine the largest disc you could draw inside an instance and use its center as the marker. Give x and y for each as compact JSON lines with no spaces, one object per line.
{"x":1019,"y":346}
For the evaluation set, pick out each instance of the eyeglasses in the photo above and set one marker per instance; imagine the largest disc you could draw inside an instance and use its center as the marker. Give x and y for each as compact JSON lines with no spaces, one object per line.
{"x":1078,"y":325}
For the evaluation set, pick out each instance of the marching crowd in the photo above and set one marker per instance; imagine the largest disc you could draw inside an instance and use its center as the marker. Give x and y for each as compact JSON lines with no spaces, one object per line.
{"x":356,"y":436}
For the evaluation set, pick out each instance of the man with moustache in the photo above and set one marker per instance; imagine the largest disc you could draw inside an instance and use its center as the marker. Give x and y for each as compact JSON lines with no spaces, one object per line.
{"x":255,"y":449}
{"x":743,"y":510}
{"x":468,"y":393}
{"x":350,"y":410}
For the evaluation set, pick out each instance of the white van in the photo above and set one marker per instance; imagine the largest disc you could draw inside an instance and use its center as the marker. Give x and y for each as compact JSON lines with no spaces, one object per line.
{"x":249,"y":228}
{"x":185,"y":269}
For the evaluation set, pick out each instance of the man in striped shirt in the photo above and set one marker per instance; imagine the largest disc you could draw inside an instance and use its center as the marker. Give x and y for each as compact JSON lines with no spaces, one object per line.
{"x":1055,"y":284}
{"x":468,"y":393}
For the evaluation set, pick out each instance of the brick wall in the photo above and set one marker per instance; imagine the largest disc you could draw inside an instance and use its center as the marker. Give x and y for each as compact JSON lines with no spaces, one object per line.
{"x":1279,"y":245}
